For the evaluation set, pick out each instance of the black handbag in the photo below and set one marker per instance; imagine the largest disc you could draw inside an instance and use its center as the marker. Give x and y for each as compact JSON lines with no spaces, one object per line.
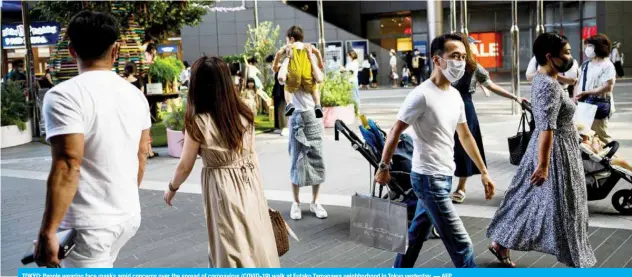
{"x":518,"y":144}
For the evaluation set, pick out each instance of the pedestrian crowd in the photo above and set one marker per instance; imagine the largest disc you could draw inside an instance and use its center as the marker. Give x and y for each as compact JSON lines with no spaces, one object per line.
{"x":98,"y":158}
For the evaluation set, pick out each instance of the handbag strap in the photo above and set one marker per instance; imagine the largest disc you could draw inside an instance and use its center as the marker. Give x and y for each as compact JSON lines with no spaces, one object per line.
{"x":585,"y":75}
{"x":523,"y":124}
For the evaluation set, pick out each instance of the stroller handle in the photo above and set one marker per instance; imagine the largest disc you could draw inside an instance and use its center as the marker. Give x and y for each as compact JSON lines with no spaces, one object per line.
{"x":614,"y":146}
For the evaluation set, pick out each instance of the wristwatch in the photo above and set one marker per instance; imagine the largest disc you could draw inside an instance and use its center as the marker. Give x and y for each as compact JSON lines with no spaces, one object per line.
{"x":171,"y":188}
{"x":382,"y":166}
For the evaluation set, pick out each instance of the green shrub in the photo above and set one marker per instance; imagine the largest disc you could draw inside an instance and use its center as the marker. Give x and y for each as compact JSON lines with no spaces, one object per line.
{"x":165,"y":69}
{"x":15,"y":107}
{"x":174,"y":119}
{"x":336,"y":91}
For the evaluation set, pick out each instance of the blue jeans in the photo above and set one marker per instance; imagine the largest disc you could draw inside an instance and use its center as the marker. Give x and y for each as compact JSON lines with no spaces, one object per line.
{"x":434,"y":207}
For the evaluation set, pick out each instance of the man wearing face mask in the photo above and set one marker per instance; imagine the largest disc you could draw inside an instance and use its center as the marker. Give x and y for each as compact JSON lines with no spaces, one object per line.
{"x":596,"y":83}
{"x":436,"y":111}
{"x":98,"y":126}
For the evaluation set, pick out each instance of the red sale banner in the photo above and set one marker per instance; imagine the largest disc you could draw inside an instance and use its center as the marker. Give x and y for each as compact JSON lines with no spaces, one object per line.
{"x":489,"y":51}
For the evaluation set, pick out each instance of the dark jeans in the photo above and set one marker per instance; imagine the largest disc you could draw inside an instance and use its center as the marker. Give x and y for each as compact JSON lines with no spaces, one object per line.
{"x":434,"y":207}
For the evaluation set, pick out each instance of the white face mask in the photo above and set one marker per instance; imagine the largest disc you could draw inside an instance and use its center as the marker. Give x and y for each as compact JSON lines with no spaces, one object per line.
{"x":454,"y":70}
{"x":589,"y":51}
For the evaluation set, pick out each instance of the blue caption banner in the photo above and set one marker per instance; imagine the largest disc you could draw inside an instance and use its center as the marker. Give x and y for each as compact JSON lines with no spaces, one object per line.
{"x":299,"y":272}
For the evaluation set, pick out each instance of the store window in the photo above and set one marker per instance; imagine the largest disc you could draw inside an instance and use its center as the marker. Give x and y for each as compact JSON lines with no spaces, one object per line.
{"x":392,"y":31}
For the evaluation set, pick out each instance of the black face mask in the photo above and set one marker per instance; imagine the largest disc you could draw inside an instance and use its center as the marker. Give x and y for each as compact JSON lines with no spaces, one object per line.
{"x":564,"y":66}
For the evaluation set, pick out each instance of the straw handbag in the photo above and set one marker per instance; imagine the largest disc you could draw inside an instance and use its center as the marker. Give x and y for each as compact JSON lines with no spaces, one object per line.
{"x":281,"y":231}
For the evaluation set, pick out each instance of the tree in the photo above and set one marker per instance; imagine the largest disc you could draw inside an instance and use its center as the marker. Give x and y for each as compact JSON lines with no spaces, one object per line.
{"x":158,"y":18}
{"x":260,"y":43}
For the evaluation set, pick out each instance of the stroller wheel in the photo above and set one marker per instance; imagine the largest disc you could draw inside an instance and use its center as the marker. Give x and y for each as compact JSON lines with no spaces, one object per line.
{"x":622,"y":201}
{"x":435,"y":233}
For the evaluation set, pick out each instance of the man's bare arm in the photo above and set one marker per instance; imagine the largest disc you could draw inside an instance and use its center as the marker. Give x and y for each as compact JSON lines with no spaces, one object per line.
{"x":143,"y":152}
{"x":63,"y":180}
{"x":391,"y":141}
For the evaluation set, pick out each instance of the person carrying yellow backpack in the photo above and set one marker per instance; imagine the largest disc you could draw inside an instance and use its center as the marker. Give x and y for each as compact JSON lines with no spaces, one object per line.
{"x":300,"y":72}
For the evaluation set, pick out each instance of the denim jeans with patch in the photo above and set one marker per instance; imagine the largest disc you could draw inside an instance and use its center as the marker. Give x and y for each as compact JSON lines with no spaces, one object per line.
{"x":435,"y":208}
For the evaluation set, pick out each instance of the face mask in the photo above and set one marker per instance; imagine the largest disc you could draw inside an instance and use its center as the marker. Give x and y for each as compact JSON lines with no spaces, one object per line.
{"x":454,"y":70}
{"x":590,"y":52}
{"x":564,"y":66}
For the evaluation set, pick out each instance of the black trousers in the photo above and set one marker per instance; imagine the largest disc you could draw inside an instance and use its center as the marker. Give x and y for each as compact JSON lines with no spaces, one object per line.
{"x":619,"y":68}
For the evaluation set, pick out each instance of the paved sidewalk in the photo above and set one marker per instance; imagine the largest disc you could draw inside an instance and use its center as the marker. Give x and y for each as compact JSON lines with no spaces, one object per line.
{"x":176,"y":237}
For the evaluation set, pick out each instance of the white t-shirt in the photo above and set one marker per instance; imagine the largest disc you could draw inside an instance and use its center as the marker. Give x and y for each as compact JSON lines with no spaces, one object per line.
{"x":354,"y":67}
{"x":433,"y":114}
{"x":615,"y":57}
{"x":301,"y":100}
{"x":111,"y":113}
{"x":599,"y":73}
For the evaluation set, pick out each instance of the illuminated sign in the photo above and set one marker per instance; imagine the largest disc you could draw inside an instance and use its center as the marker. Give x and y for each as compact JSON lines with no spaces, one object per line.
{"x":167,"y":49}
{"x":588,"y":31}
{"x":489,"y":51}
{"x":42,"y":33}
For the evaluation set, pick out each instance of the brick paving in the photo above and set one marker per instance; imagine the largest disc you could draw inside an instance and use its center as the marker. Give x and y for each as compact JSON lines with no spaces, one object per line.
{"x":176,"y":237}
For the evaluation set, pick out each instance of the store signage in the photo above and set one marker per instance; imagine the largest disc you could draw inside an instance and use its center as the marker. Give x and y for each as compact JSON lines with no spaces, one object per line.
{"x":588,"y":31}
{"x":489,"y":51}
{"x":42,"y":33}
{"x":421,"y":45}
{"x":167,"y":49}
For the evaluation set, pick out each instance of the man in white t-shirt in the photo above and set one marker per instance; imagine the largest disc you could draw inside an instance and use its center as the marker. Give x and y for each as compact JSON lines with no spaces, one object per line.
{"x":436,"y":111}
{"x":98,"y":126}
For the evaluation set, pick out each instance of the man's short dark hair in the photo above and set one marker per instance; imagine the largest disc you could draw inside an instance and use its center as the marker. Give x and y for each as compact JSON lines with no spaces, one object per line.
{"x":548,"y":43}
{"x":92,"y":34}
{"x":437,"y":47}
{"x":602,"y":44}
{"x":295,"y":32}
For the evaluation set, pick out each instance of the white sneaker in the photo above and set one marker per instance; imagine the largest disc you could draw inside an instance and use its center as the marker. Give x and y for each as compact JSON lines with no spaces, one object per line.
{"x":295,"y":211}
{"x":285,"y":132}
{"x":277,"y":131}
{"x":318,"y":210}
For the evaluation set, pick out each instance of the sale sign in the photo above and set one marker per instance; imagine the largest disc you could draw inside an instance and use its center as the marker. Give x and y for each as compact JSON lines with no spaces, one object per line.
{"x":588,"y":31}
{"x":489,"y":51}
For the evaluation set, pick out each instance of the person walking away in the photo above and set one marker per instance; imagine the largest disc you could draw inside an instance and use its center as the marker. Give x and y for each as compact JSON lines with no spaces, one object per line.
{"x":304,"y":64}
{"x":417,"y":65}
{"x":435,"y":111}
{"x":307,"y":167}
{"x":185,"y":74}
{"x":474,"y":74}
{"x":545,"y":208}
{"x":567,"y":79}
{"x":374,"y":69}
{"x":405,"y":75}
{"x":278,"y":99}
{"x":596,"y":83}
{"x":393,"y":63}
{"x":364,"y":77}
{"x":98,"y":158}
{"x":220,"y":128}
{"x":353,"y":66}
{"x":617,"y":58}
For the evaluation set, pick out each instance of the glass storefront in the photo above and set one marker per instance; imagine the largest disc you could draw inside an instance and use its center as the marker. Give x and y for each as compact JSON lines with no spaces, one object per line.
{"x":392,"y":31}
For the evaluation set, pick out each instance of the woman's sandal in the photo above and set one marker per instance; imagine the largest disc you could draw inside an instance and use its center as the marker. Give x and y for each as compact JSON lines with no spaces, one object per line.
{"x":153,"y":156}
{"x":504,"y":260}
{"x":458,"y":196}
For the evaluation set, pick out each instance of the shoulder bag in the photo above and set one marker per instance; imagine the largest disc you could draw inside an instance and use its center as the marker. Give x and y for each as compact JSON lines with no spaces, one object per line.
{"x":518,"y":144}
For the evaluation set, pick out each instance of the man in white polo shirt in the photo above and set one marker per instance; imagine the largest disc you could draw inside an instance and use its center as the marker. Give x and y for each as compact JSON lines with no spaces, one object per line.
{"x":435,"y":111}
{"x":98,"y":126}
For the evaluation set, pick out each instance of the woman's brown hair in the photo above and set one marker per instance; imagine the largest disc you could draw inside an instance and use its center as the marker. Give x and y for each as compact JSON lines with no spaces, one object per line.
{"x":212,"y":92}
{"x":470,"y":60}
{"x":602,"y":44}
{"x":353,"y":55}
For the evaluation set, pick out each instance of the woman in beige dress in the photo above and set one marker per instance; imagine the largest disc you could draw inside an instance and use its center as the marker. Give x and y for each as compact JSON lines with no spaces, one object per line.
{"x":220,"y":128}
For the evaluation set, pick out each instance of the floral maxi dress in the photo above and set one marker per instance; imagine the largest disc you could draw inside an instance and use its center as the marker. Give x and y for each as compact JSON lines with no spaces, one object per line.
{"x":551,"y":218}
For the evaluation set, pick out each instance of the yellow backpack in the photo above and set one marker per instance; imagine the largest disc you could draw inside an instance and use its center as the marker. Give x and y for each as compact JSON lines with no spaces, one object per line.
{"x":299,"y":73}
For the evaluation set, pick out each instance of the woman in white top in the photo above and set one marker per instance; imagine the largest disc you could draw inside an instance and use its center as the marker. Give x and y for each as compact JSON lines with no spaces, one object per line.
{"x":617,"y":58}
{"x":596,"y":83}
{"x":567,"y":79}
{"x":393,"y":64}
{"x":353,"y":66}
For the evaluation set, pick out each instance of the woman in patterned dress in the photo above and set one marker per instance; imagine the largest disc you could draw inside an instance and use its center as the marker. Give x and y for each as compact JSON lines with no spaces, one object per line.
{"x":474,"y":74}
{"x":545,"y":209}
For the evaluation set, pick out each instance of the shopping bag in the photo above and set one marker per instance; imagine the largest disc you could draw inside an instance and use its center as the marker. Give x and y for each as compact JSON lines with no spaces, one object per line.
{"x":518,"y":144}
{"x":379,"y":223}
{"x":585,"y":114}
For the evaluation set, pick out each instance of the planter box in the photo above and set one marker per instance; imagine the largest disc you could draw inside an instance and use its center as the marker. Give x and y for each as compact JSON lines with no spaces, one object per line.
{"x":12,"y":136}
{"x":154,"y":88}
{"x":331,"y":114}
{"x":175,"y":140}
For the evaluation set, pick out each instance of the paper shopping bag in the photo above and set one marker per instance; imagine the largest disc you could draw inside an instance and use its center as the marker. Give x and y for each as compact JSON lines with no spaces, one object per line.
{"x":379,"y":223}
{"x":585,"y":114}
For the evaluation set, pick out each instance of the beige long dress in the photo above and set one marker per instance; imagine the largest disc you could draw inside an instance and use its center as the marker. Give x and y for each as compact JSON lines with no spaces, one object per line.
{"x":239,"y":229}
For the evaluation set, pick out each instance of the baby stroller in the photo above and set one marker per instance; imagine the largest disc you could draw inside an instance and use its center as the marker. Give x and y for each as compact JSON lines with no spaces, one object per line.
{"x":400,"y":188}
{"x":602,"y":176}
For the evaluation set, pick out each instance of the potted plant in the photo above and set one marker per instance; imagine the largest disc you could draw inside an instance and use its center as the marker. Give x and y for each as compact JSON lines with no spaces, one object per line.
{"x":336,"y":97}
{"x":163,"y":75}
{"x":174,"y":122}
{"x":16,"y":127}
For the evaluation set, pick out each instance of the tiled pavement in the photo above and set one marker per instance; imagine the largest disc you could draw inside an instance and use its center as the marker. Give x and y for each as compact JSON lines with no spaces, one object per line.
{"x":176,"y":237}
